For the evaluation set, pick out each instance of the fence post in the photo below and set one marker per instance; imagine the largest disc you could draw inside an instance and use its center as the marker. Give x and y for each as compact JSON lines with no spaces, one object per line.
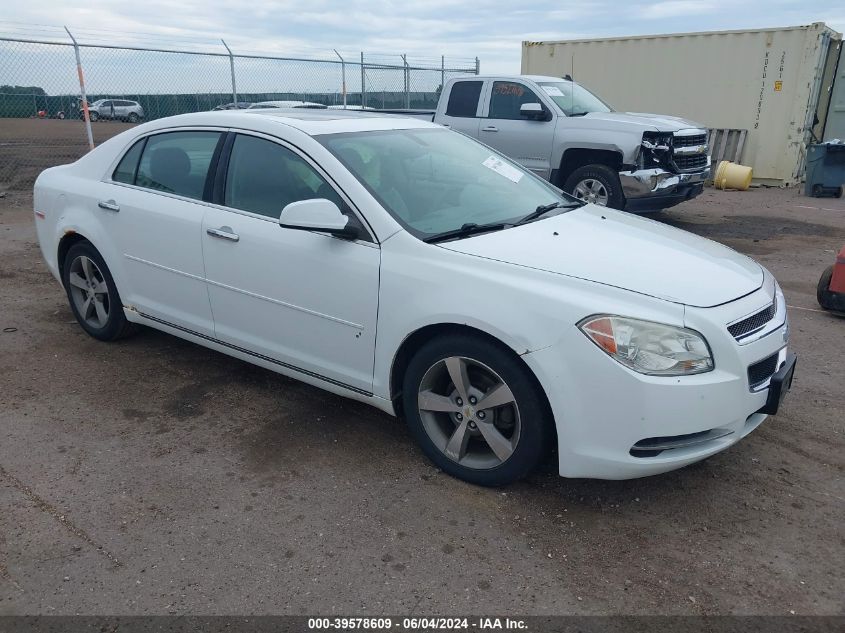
{"x":363,"y":84}
{"x":343,"y":76}
{"x":82,"y":91}
{"x":407,"y":74}
{"x":232,"y":69}
{"x":442,"y":72}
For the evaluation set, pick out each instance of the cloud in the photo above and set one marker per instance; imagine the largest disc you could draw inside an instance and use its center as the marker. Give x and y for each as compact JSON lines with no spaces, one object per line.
{"x":675,"y":8}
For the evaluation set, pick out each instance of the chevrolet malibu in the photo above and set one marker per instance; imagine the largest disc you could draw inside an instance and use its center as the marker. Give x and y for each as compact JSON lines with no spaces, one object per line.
{"x":407,"y":266}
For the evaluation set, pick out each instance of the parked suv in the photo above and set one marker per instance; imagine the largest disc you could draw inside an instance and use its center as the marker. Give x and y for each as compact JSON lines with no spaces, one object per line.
{"x":119,"y":109}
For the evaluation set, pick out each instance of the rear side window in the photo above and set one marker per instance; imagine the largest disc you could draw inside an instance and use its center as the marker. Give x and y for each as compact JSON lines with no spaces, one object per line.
{"x":507,"y":98}
{"x":128,"y":165}
{"x":177,"y":162}
{"x":264,"y":177}
{"x":463,"y":98}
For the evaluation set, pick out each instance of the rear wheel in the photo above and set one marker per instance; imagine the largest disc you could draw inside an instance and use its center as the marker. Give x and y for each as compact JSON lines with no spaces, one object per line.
{"x":133,"y":118}
{"x":598,"y":184}
{"x":93,"y":295}
{"x":476,"y":411}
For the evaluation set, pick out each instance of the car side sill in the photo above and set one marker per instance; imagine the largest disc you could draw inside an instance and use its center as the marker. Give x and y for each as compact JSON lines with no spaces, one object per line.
{"x":268,"y":359}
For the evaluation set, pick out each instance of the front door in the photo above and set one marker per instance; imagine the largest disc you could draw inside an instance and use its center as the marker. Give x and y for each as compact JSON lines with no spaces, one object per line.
{"x":307,"y":301}
{"x":529,"y":142}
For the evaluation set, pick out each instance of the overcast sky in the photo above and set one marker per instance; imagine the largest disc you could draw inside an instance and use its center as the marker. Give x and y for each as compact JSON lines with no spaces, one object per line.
{"x":456,"y":28}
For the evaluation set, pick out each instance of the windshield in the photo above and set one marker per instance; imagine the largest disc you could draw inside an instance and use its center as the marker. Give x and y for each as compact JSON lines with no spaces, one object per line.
{"x":573,"y":99}
{"x":435,"y":180}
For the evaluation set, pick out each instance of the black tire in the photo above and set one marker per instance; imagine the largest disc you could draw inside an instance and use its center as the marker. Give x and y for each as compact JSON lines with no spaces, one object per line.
{"x":116,"y":326}
{"x":93,"y":116}
{"x":536,"y":424}
{"x":607,"y":176}
{"x":823,"y":289}
{"x":133,"y":118}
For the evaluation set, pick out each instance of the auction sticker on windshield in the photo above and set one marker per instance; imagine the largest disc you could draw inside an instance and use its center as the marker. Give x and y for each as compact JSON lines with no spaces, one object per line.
{"x":552,"y":91}
{"x":503,"y":169}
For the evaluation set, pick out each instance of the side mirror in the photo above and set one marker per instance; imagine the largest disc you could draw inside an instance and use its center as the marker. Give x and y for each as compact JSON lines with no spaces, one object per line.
{"x":318,"y":215}
{"x":532,"y":111}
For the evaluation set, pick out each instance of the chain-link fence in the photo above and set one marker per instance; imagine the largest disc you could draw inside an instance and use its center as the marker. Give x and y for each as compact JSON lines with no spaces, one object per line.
{"x":41,"y":114}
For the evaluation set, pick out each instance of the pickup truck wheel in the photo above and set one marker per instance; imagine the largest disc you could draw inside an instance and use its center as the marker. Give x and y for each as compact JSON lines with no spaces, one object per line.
{"x":475,"y":410}
{"x":598,"y":184}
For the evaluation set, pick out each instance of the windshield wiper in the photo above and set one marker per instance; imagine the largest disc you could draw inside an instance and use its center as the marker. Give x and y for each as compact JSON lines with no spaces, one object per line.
{"x":470,"y":228}
{"x":545,"y":208}
{"x":578,"y":114}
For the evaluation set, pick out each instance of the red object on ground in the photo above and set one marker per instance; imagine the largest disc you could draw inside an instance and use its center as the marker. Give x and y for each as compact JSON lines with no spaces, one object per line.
{"x":837,"y":281}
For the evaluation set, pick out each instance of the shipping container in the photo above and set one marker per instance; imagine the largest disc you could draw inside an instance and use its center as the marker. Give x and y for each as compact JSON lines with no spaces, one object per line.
{"x":768,"y":82}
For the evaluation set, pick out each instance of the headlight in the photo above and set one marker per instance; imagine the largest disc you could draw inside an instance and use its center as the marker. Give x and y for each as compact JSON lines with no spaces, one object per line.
{"x":647,"y":347}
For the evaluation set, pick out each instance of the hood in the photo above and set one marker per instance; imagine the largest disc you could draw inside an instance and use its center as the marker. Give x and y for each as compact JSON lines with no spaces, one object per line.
{"x":652,"y":122}
{"x":625,"y":251}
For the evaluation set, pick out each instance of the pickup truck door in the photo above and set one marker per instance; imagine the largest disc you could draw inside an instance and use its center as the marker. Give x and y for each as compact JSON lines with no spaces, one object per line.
{"x":463,"y":104}
{"x":527,"y":141}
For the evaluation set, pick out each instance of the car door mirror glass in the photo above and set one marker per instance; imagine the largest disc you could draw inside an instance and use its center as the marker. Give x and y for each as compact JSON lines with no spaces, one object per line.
{"x":319,"y":215}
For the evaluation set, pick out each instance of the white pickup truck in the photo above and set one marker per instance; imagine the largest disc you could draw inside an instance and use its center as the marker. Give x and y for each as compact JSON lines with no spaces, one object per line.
{"x":567,"y":135}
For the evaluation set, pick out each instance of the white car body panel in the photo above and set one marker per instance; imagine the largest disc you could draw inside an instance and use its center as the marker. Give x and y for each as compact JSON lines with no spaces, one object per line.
{"x":335,"y":313}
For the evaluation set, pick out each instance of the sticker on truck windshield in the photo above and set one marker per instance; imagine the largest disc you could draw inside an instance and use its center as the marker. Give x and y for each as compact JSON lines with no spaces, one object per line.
{"x":552,"y":91}
{"x":503,"y":169}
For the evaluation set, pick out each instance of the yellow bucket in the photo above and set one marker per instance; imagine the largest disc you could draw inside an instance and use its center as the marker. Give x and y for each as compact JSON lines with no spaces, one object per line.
{"x":732,"y":176}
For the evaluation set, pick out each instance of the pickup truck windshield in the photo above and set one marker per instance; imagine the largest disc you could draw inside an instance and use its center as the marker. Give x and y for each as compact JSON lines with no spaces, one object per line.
{"x":573,"y":99}
{"x":435,"y":181}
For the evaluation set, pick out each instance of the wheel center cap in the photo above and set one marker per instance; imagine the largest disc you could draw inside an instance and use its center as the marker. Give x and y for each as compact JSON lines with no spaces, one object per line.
{"x":469,"y":412}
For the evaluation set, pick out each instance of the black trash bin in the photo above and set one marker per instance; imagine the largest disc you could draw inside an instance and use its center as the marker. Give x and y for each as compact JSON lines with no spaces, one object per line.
{"x":825,"y":170}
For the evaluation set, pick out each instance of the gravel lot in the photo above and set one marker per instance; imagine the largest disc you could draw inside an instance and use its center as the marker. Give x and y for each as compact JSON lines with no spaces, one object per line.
{"x":153,"y":476}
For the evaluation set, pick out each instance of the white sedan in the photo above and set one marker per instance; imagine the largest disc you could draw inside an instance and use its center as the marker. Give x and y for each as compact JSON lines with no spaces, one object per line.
{"x":404,"y":265}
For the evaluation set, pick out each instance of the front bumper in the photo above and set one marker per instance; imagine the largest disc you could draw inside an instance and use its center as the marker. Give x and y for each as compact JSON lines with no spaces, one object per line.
{"x":609,"y":419}
{"x":652,"y":189}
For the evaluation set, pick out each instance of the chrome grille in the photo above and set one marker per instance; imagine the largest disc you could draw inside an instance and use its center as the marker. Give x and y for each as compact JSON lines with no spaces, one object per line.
{"x":751,"y":324}
{"x":690,"y":141}
{"x":761,"y":371}
{"x":694,"y":161}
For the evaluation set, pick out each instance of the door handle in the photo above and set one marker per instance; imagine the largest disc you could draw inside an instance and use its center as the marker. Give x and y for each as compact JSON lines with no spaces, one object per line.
{"x":108,"y":205}
{"x":224,"y":232}
{"x":490,"y":128}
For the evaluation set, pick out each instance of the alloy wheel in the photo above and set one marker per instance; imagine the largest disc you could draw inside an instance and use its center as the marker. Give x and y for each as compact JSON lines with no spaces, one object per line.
{"x":469,"y":412}
{"x":89,"y":291}
{"x":592,"y":190}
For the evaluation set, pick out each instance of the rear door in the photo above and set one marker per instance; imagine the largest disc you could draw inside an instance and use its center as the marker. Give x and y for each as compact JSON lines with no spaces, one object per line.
{"x":154,"y":206}
{"x":463,"y":106}
{"x":527,"y":141}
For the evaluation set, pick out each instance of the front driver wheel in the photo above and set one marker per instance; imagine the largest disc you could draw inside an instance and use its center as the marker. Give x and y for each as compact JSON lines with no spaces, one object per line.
{"x":476,"y":411}
{"x":93,"y":295}
{"x":598,"y":184}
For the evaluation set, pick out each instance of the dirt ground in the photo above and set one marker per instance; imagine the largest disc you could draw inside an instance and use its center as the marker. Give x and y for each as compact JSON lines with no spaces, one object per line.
{"x":153,"y":476}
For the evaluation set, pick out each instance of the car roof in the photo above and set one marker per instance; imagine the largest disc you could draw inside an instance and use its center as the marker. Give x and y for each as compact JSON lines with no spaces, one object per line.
{"x":515,"y":77}
{"x":311,"y":122}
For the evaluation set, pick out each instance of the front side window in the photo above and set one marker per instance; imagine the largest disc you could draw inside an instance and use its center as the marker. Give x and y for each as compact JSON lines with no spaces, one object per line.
{"x":177,"y":162}
{"x":264,"y":177}
{"x":436,"y":180}
{"x":463,"y":98}
{"x":507,"y":99}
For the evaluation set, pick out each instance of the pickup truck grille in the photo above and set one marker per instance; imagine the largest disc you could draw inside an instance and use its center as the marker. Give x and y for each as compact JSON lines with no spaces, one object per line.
{"x":690,"y":141}
{"x":694,"y":161}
